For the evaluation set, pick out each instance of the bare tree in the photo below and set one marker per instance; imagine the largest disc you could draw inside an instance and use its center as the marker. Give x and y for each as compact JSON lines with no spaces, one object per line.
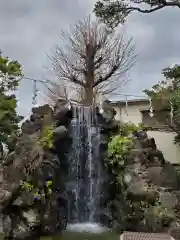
{"x":58,"y":89}
{"x":91,"y":60}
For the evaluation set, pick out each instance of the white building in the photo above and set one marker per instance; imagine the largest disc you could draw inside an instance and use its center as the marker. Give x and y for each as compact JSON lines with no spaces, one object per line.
{"x":137,"y":111}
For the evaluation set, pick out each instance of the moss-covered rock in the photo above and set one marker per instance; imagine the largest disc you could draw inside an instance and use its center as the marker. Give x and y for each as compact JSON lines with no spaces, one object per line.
{"x":149,"y":187}
{"x":29,"y":187}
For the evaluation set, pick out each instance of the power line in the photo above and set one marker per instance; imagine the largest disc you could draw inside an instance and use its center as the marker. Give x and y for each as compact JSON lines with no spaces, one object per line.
{"x":45,"y":82}
{"x":128,"y":95}
{"x":37,"y":80}
{"x":48,"y":81}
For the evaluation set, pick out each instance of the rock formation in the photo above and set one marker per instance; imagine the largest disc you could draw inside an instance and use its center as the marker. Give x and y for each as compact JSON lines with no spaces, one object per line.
{"x":150,"y":195}
{"x":147,"y":200}
{"x":29,"y":214}
{"x":33,"y":198}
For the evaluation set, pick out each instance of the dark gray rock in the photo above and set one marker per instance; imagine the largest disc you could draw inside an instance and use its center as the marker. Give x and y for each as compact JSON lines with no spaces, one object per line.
{"x":6,"y":222}
{"x":28,"y":128}
{"x":141,"y":134}
{"x":59,"y":133}
{"x":62,"y":113}
{"x":112,"y":127}
{"x":170,"y":177}
{"x":106,"y":111}
{"x":158,"y":218}
{"x":24,"y":199}
{"x":42,"y":110}
{"x":168,"y":200}
{"x":155,"y":175}
{"x":22,"y":228}
{"x":106,"y":218}
{"x":137,"y":191}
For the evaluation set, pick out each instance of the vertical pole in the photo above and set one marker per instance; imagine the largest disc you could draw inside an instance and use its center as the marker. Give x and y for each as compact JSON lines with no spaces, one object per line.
{"x":171,"y":106}
{"x":151,"y":114}
{"x":126,"y":106}
{"x":34,"y":99}
{"x":171,"y":112}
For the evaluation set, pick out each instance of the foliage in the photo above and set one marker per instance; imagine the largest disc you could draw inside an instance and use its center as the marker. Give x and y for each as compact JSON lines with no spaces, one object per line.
{"x":119,"y":148}
{"x":47,"y":137}
{"x":10,"y":71}
{"x":40,"y":194}
{"x":162,"y":214}
{"x":10,"y":74}
{"x":168,"y":93}
{"x":118,"y":151}
{"x":115,"y":12}
{"x":159,"y":91}
{"x":130,"y":127}
{"x":167,"y":89}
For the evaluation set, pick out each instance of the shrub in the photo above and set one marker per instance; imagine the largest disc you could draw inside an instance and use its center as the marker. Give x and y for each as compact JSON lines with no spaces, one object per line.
{"x":118,"y":150}
{"x":47,"y":137}
{"x":39,"y":194}
{"x":130,"y":127}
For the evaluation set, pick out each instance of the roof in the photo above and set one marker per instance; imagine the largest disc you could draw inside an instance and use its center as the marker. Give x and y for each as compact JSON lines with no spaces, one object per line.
{"x":130,"y":102}
{"x":145,"y":236}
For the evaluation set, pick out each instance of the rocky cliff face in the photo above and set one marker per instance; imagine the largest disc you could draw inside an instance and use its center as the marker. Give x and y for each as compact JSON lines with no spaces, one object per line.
{"x":150,"y":195}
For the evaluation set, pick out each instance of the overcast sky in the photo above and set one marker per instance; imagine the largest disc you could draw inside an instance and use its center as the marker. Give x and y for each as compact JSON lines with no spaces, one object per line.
{"x":30,"y":29}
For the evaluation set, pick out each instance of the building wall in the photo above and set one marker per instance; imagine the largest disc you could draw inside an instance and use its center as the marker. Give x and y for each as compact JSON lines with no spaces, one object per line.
{"x":165,"y":143}
{"x":132,"y":113}
{"x":164,"y":140}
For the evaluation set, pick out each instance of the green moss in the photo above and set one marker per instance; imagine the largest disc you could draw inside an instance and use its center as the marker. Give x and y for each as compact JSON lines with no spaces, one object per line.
{"x":47,"y":137}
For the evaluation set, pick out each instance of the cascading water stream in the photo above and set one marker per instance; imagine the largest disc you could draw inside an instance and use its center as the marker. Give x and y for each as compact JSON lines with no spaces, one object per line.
{"x":85,"y":169}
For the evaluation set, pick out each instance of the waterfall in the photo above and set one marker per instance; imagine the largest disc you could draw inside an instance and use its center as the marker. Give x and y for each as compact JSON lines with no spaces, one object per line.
{"x":85,"y":169}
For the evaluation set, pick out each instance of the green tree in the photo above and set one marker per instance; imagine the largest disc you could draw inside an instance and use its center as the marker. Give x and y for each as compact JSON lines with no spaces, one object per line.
{"x":115,"y":12}
{"x":167,"y":94}
{"x":10,"y":75}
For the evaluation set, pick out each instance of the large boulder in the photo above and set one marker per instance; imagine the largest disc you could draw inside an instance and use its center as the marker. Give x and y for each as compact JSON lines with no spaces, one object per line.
{"x":106,"y":111}
{"x":106,"y":117}
{"x":62,"y":112}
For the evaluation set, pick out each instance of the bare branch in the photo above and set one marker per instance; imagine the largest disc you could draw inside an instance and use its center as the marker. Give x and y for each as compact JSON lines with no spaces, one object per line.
{"x":121,"y":60}
{"x":90,"y":57}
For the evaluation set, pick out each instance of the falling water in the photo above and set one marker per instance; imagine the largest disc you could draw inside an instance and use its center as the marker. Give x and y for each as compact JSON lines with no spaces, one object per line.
{"x":84,"y":178}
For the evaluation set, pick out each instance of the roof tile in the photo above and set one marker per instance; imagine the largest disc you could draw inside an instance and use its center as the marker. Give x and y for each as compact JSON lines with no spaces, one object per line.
{"x":145,"y":236}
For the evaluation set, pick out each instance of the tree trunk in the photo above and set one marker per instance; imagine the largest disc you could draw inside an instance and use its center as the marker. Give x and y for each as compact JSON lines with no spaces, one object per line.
{"x":88,"y":97}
